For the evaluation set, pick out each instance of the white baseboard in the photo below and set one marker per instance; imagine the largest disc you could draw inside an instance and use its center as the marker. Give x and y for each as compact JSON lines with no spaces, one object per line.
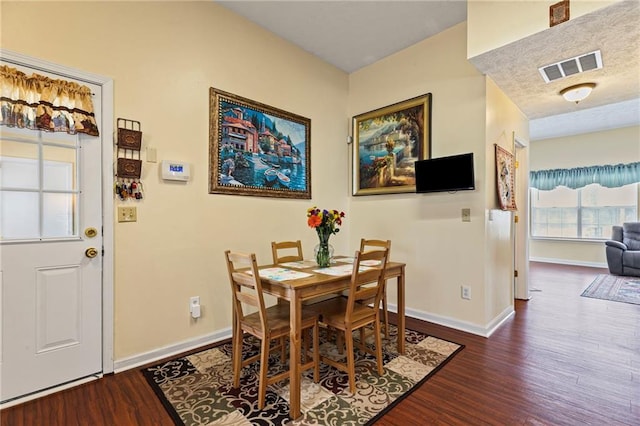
{"x":568,"y":262}
{"x":167,"y":351}
{"x":465,"y":326}
{"x":495,"y":323}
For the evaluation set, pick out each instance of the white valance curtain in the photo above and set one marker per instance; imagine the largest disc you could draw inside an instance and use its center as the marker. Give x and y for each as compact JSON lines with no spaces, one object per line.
{"x":39,"y":103}
{"x":609,"y":176}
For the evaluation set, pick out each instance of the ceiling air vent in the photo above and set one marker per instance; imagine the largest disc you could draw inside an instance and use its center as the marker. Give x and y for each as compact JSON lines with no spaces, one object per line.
{"x":571,"y":66}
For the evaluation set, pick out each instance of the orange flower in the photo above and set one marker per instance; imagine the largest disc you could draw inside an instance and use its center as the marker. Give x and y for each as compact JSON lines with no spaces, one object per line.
{"x":314,"y":221}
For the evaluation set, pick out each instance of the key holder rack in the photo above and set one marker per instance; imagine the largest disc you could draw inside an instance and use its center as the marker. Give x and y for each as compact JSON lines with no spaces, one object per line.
{"x":129,"y":164}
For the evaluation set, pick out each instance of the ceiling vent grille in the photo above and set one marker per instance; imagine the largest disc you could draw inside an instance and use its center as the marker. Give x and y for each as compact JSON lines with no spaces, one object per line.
{"x":571,"y":66}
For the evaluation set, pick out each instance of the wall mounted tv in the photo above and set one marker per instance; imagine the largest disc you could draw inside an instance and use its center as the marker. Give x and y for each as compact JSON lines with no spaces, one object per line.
{"x":445,"y":174}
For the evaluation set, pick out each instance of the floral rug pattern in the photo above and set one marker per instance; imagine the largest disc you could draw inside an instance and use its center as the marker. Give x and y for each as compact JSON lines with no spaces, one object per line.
{"x":197,"y":389}
{"x":616,"y":288}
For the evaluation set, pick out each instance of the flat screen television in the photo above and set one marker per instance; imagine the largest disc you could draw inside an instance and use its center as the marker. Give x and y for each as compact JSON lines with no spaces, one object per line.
{"x":445,"y":174}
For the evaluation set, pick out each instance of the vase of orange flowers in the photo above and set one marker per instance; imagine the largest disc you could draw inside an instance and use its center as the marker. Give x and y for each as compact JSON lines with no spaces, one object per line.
{"x":326,"y":223}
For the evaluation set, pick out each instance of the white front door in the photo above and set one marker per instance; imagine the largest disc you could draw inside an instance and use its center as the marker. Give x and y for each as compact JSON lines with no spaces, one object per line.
{"x":51,"y":257}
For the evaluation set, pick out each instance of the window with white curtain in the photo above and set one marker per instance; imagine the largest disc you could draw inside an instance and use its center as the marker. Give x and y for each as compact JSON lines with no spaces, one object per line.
{"x":585,"y":213}
{"x":584,"y":202}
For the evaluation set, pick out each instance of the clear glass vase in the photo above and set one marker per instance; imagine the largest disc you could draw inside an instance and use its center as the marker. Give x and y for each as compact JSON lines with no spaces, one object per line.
{"x":323,"y":251}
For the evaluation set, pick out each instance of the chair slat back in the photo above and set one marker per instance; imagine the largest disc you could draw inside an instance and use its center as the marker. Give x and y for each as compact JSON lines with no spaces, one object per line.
{"x":246,"y":287}
{"x":292,"y":251}
{"x":367,"y":285}
{"x":367,"y":245}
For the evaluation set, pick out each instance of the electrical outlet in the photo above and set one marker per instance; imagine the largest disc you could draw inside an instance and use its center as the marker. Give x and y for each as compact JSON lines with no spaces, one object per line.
{"x":127,"y":214}
{"x":194,"y":306}
{"x":465,"y":292}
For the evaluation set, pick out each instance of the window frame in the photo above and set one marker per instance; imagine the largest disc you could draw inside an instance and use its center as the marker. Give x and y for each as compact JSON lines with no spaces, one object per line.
{"x":579,"y":216}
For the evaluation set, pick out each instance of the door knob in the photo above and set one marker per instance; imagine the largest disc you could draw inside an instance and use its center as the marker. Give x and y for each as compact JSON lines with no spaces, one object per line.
{"x":91,"y":252}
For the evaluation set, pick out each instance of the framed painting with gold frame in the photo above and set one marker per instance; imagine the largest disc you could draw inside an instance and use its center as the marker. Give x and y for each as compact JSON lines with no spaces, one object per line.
{"x":505,"y":178}
{"x":257,"y":149}
{"x":386,"y":144}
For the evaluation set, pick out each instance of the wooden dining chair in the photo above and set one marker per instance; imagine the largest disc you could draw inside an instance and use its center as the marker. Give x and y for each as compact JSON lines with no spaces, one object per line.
{"x":360,"y":308}
{"x":291,"y":251}
{"x":286,"y":251}
{"x":266,"y":324}
{"x":366,"y":245}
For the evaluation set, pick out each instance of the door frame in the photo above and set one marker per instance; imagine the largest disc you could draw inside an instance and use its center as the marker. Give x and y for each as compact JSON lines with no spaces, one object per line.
{"x":106,"y":131}
{"x":521,"y":228}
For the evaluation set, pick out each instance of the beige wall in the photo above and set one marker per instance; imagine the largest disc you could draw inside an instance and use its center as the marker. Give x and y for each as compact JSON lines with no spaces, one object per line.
{"x":442,"y":252}
{"x":493,"y":24}
{"x":590,"y":149}
{"x":163,"y":58}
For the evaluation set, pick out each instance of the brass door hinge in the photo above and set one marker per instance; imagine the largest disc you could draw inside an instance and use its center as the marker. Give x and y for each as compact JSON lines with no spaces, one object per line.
{"x":515,"y":273}
{"x":516,"y":218}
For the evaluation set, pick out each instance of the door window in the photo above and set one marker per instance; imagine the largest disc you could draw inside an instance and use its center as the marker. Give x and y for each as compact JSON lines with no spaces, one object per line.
{"x":38,"y":185}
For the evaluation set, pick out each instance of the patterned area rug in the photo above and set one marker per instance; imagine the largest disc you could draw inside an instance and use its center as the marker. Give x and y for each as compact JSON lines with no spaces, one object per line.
{"x":616,"y":288}
{"x":197,"y":389}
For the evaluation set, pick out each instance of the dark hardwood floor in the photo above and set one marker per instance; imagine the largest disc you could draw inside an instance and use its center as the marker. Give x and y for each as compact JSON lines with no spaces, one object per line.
{"x":562,"y":360}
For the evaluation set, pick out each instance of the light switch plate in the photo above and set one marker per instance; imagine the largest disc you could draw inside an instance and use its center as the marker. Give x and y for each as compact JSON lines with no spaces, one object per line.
{"x":152,"y":155}
{"x":127,"y":214}
{"x":466,"y":215}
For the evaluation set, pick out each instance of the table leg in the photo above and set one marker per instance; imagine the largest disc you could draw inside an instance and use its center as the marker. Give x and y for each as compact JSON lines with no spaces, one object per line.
{"x":295,"y":312}
{"x":401,"y":318}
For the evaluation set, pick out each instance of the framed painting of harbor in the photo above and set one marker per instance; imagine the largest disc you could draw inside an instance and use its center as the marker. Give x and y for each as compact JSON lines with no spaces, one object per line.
{"x":387,"y":142}
{"x":256,"y":149}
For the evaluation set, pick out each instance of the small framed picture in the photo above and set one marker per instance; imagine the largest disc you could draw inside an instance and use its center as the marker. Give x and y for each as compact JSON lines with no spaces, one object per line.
{"x":558,"y":13}
{"x":505,"y":178}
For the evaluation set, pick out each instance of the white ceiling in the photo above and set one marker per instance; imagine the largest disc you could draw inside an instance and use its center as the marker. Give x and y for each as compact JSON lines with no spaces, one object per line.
{"x":353,"y":34}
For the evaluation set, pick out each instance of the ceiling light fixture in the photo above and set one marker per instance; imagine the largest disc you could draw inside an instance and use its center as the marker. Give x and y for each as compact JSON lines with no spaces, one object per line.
{"x":577,"y":92}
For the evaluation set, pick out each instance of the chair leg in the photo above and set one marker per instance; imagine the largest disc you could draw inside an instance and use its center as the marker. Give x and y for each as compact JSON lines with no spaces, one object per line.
{"x":330,"y":333}
{"x":376,"y":328}
{"x":237,"y":357}
{"x":283,"y":349}
{"x":339,"y":342}
{"x":264,"y":368}
{"x":385,"y":312}
{"x":348,"y":337}
{"x":305,"y":343}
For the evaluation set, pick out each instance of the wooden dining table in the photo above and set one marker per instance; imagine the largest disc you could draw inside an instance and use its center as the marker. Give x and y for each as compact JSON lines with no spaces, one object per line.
{"x":308,"y":287}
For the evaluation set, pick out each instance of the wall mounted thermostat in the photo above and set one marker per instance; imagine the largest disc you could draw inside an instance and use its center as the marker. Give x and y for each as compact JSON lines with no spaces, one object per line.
{"x":175,"y":170}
